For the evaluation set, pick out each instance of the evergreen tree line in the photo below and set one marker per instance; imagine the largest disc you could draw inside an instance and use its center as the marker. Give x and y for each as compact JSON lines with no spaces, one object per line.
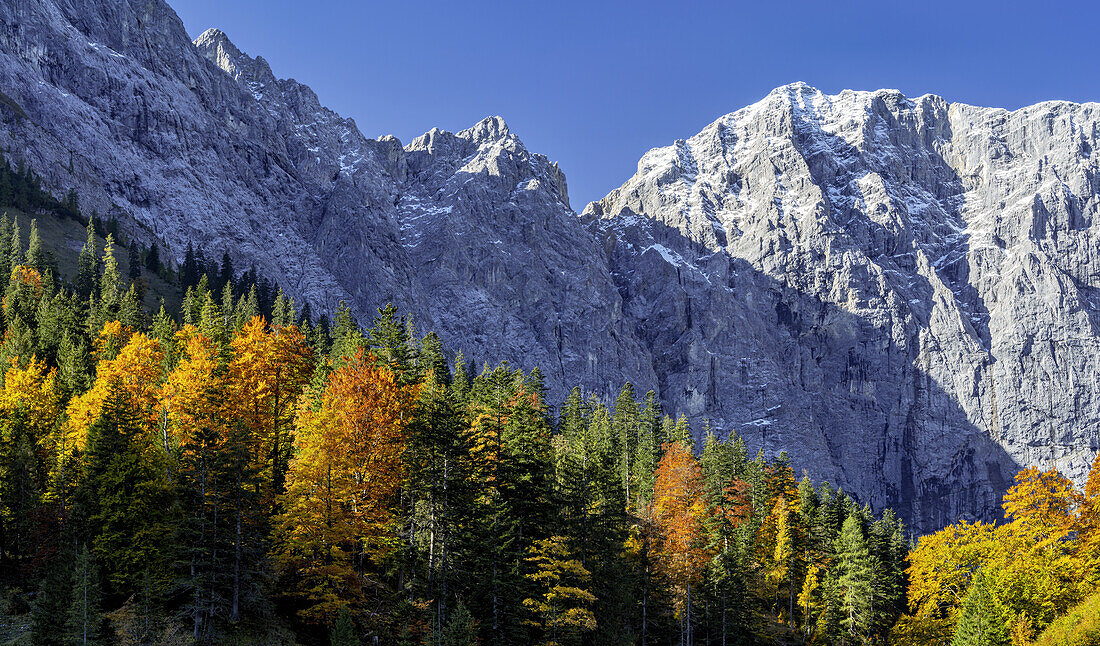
{"x":233,"y":472}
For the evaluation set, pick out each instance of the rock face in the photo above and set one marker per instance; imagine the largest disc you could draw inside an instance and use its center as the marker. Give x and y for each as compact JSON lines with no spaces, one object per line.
{"x":902,"y":293}
{"x":905,"y":293}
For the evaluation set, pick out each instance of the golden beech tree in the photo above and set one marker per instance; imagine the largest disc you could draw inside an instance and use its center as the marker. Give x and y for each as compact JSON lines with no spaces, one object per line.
{"x":1034,"y":563}
{"x":941,"y":567}
{"x":266,"y":375}
{"x":679,"y":508}
{"x":136,"y":366}
{"x":1088,"y":527}
{"x":342,"y":486}
{"x":1043,"y":503}
{"x":185,"y":402}
{"x":30,"y":392}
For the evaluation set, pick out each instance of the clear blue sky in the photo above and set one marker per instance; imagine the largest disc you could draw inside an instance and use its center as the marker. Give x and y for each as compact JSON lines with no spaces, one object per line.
{"x":594,"y":84}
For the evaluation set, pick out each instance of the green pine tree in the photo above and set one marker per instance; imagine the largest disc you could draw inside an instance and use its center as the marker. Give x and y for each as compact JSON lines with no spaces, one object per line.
{"x":982,"y":617}
{"x":87,"y":271}
{"x":36,"y":256}
{"x":85,"y":625}
{"x":854,"y":581}
{"x":343,"y":631}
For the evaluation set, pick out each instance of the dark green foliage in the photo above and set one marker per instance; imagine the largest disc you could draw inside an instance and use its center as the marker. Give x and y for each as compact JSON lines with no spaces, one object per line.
{"x":343,"y":633}
{"x":127,"y":500}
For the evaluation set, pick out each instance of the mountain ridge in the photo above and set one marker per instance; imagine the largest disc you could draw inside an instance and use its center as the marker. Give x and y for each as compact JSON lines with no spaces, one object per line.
{"x":817,"y":272}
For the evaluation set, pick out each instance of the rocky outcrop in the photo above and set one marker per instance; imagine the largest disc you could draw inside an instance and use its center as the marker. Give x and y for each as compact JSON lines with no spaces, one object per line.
{"x":902,"y":293}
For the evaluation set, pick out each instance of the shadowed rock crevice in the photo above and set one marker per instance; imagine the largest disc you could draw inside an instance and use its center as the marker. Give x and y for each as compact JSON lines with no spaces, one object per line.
{"x":789,"y":371}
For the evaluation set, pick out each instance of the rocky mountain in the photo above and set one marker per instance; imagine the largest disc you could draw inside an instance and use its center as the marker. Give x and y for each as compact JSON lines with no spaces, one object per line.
{"x":198,"y":142}
{"x":905,"y":293}
{"x":902,"y":293}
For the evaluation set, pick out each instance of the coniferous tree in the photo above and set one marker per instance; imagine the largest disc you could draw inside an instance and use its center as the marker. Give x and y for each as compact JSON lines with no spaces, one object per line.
{"x":6,"y":231}
{"x":982,"y":618}
{"x":152,"y":259}
{"x":36,"y":256}
{"x":127,"y":500}
{"x":343,"y":631}
{"x":133,"y":261}
{"x":85,"y":620}
{"x":15,"y":246}
{"x":87,"y":273}
{"x":854,"y":584}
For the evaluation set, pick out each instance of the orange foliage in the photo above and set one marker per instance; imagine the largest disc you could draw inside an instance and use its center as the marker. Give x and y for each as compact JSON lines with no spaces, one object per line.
{"x":343,"y":482}
{"x":28,"y":276}
{"x":267,"y":373}
{"x":679,"y":509}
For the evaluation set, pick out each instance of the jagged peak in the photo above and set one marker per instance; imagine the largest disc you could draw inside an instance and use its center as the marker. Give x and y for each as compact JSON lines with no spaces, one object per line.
{"x":488,"y":130}
{"x":216,"y":47}
{"x":216,"y":38}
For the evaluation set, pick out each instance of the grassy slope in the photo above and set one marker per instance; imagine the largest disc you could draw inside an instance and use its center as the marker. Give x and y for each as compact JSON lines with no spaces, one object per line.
{"x":63,"y":238}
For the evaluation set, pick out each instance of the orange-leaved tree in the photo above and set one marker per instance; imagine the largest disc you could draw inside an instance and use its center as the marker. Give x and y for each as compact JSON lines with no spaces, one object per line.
{"x":343,"y":484}
{"x":679,"y":511}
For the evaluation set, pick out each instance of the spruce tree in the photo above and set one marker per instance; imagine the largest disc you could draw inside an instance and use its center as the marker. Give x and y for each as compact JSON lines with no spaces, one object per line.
{"x":343,"y":631}
{"x":133,"y":261}
{"x":152,"y":259}
{"x":459,"y":630}
{"x":87,"y":271}
{"x":85,"y":620}
{"x":982,"y":617}
{"x":854,"y":581}
{"x":6,"y":230}
{"x":127,"y":500}
{"x":225,"y":271}
{"x":52,"y":603}
{"x":36,"y":257}
{"x":15,"y":246}
{"x":388,"y":338}
{"x":346,"y":336}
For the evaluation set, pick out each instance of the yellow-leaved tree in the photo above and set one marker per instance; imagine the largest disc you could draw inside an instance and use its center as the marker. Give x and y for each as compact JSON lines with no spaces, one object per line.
{"x":130,"y":360}
{"x":562,"y":605}
{"x":269,"y":368}
{"x":342,"y":485}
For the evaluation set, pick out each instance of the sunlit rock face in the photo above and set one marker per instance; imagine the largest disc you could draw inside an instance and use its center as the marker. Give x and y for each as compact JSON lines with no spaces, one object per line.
{"x":902,"y":293}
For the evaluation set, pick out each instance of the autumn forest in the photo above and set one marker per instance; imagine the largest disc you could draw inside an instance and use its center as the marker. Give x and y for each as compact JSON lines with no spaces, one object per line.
{"x":236,"y":470}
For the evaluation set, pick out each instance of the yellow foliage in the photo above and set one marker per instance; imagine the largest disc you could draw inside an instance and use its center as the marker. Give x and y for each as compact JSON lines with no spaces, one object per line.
{"x":185,"y":398}
{"x":1034,"y":562}
{"x":30,"y":390}
{"x":136,"y":369}
{"x":24,"y":275}
{"x":343,"y":482}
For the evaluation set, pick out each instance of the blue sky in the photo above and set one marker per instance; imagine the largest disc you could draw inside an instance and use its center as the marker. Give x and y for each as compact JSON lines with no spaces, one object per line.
{"x":593,"y":85}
